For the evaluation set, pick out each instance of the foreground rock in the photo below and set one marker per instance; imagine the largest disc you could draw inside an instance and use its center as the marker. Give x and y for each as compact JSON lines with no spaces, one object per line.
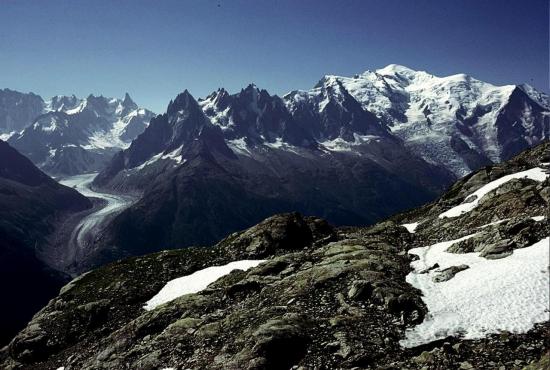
{"x":324,"y":298}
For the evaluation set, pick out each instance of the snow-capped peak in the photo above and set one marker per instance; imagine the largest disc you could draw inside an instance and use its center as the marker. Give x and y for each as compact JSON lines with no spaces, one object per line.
{"x":426,"y":111}
{"x":393,"y":69}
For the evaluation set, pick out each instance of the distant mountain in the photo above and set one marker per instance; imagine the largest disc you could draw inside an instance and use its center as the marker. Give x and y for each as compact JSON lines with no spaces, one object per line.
{"x":67,"y":135}
{"x":31,"y":204}
{"x":456,"y":122}
{"x":17,"y":111}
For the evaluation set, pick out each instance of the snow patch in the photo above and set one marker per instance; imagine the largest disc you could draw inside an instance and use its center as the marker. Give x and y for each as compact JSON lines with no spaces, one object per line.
{"x":151,"y":160}
{"x":175,"y":155}
{"x":493,"y":223}
{"x":411,"y":227}
{"x":280,"y":144}
{"x":6,"y":136}
{"x":508,"y":294}
{"x":537,"y":174}
{"x":196,"y":281}
{"x":341,"y":145}
{"x":239,"y":146}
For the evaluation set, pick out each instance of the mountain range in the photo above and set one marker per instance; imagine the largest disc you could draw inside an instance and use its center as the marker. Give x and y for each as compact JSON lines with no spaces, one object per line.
{"x":350,"y":150}
{"x":67,"y":135}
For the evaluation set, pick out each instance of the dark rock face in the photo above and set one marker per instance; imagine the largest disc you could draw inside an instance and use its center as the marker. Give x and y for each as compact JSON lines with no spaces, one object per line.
{"x":326,"y":297}
{"x":473,"y":158}
{"x":30,"y":205}
{"x":341,"y":117}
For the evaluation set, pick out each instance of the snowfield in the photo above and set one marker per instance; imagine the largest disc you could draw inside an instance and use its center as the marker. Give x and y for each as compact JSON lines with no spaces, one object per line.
{"x":537,"y":174}
{"x":196,"y":281}
{"x":508,"y":294}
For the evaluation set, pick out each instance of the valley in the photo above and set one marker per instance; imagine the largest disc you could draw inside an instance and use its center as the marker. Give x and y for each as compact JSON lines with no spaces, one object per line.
{"x":106,"y":206}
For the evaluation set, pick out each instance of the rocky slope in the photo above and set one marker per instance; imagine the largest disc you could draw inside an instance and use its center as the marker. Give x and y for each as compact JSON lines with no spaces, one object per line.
{"x":67,"y":135}
{"x":31,"y":204}
{"x":324,"y":297}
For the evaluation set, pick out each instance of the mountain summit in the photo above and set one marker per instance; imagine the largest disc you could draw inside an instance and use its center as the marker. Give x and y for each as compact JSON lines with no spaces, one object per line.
{"x":70,"y":136}
{"x":456,"y":121}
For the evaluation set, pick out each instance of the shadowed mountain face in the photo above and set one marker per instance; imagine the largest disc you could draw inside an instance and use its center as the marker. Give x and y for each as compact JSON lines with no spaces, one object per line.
{"x":31,"y":203}
{"x":341,"y":297}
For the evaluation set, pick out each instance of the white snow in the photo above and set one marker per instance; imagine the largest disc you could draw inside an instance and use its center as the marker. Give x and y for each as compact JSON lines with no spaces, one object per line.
{"x":196,"y":282}
{"x":175,"y":155}
{"x":411,"y":227}
{"x":239,"y":146}
{"x":508,"y":294}
{"x":52,"y":152}
{"x":79,"y":108}
{"x":341,"y":145}
{"x":6,"y":136}
{"x":153,"y":159}
{"x":537,"y":174}
{"x":538,"y":218}
{"x":281,"y":145}
{"x":111,"y":138}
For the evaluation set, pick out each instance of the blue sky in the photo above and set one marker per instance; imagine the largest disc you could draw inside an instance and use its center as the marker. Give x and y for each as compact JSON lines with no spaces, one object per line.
{"x":155,"y":49}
